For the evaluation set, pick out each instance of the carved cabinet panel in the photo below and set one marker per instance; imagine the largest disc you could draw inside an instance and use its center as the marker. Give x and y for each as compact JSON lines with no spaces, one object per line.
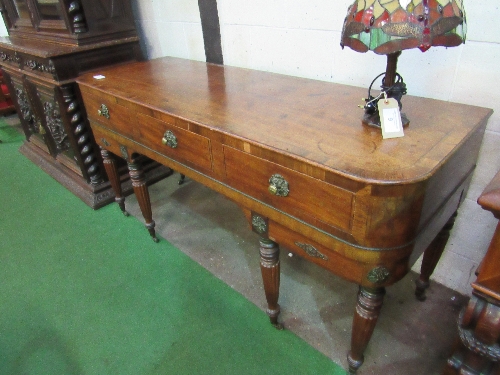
{"x":50,"y":43}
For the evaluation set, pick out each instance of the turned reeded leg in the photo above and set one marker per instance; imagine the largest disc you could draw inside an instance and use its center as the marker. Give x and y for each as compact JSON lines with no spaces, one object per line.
{"x":270,"y":268}
{"x":141,"y":192}
{"x":431,"y":258}
{"x":365,"y":318}
{"x":114,"y":178}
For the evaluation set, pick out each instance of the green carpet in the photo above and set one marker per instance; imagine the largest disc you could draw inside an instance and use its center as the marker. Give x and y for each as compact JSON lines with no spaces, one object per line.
{"x":88,"y":292}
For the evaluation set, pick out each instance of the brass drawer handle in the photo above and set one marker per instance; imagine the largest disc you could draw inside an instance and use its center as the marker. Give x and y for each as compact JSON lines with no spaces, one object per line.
{"x":103,"y":111}
{"x":169,"y":139}
{"x":41,"y":129}
{"x":311,"y":250}
{"x":278,"y":186}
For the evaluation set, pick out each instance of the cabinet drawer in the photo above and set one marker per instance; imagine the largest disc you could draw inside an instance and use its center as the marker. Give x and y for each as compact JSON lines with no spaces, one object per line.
{"x":108,"y":140}
{"x":121,"y":119}
{"x":307,"y":197}
{"x":328,"y":258}
{"x":352,"y":264}
{"x":183,"y":146}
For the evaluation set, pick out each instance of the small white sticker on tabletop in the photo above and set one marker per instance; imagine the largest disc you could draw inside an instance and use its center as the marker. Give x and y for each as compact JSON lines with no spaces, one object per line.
{"x":390,"y":118}
{"x":99,"y":76}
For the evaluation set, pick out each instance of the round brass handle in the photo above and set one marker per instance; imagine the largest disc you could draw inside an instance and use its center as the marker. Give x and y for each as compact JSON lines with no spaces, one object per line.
{"x":169,"y":139}
{"x":103,"y":111}
{"x":278,"y":186}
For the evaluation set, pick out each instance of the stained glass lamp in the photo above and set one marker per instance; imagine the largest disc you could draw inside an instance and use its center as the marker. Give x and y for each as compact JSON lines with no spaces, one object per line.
{"x":387,"y":27}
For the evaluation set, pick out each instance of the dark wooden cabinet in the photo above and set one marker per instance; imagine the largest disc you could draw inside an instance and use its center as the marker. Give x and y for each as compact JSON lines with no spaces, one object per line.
{"x":50,"y":43}
{"x":477,"y":351}
{"x":70,"y":22}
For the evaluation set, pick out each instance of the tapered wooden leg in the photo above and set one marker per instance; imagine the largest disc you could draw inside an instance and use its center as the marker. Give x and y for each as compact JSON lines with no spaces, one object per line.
{"x":114,"y":178}
{"x":141,"y":192}
{"x":182,"y":178}
{"x":431,"y":258}
{"x":270,"y":268}
{"x":365,"y":318}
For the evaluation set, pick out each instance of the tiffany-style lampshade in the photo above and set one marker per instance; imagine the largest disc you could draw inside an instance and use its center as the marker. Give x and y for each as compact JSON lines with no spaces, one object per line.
{"x":389,"y":26}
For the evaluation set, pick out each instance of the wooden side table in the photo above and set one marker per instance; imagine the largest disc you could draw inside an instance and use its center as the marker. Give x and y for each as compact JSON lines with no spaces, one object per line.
{"x":478,"y":350}
{"x":295,"y":157}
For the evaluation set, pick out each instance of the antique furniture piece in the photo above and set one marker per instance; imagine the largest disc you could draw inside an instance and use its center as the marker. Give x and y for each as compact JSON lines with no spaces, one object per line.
{"x":290,"y":153}
{"x":51,"y":42}
{"x":390,"y":26}
{"x":478,"y":350}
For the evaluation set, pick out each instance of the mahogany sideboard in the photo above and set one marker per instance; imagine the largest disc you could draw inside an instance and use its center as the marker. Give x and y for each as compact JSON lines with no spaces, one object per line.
{"x":293,"y":154}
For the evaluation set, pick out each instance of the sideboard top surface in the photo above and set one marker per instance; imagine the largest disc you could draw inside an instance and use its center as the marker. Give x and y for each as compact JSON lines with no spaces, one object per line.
{"x":314,"y":121}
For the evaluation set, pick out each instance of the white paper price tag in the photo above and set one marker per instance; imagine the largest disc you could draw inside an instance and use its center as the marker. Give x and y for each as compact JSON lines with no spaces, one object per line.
{"x":390,"y":118}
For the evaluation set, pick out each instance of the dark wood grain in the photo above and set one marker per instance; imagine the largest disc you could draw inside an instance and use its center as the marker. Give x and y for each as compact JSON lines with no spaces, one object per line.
{"x":75,"y":22}
{"x":41,"y":58}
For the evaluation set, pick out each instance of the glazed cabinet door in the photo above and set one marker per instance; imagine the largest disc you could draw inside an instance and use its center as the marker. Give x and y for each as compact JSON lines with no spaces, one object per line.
{"x":35,"y":15}
{"x":16,"y":14}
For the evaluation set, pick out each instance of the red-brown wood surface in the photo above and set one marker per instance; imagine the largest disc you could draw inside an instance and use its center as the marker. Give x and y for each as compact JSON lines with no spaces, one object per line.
{"x":294,"y":155}
{"x":310,"y":120}
{"x":311,"y":127}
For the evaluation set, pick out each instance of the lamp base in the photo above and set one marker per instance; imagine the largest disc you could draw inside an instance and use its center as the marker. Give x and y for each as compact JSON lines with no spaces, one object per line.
{"x":373,"y":120}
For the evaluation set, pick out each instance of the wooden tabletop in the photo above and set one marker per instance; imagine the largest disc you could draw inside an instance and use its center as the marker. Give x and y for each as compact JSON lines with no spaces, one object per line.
{"x":311,"y":120}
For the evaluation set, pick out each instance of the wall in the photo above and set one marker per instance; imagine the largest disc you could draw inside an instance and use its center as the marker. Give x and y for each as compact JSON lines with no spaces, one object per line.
{"x":302,"y":38}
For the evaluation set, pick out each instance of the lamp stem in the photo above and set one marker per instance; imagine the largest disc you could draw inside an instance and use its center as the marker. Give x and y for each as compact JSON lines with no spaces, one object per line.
{"x":392,"y":65}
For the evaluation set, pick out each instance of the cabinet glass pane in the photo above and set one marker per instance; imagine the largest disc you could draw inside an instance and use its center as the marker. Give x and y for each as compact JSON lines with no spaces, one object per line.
{"x":49,"y":9}
{"x":22,"y":9}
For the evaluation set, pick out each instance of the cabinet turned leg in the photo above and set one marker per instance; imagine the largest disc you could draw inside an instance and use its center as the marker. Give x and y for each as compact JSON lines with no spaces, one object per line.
{"x":182,"y":178}
{"x":365,"y":318}
{"x":479,"y":332}
{"x":431,"y":258}
{"x":114,"y":178}
{"x":270,"y":268}
{"x":141,"y":192}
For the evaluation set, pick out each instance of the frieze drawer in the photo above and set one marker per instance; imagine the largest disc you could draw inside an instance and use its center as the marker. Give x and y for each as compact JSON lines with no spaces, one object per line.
{"x":174,"y":142}
{"x":106,"y":110}
{"x":295,"y":193}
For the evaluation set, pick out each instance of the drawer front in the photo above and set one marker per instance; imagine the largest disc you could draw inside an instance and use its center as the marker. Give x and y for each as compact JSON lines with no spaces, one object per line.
{"x":104,"y":109}
{"x":327,"y":258}
{"x":174,"y":142}
{"x":107,"y":140}
{"x":366,"y":268}
{"x":307,"y":198}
